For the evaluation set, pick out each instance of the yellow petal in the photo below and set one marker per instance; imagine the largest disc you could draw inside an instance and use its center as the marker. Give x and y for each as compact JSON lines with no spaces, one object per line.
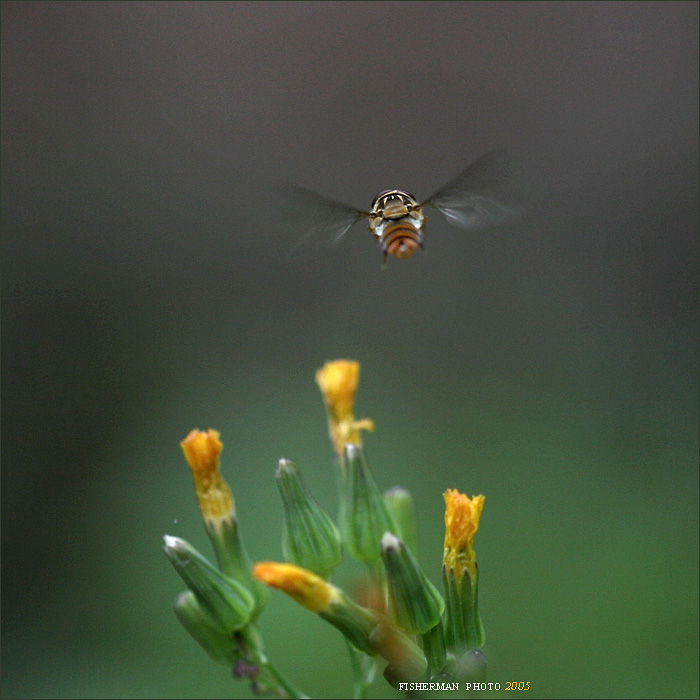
{"x":202,"y":451}
{"x":462,"y":516}
{"x":338,"y":383}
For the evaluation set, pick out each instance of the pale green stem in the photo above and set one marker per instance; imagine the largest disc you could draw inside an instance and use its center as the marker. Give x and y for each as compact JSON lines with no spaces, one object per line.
{"x":363,"y":669}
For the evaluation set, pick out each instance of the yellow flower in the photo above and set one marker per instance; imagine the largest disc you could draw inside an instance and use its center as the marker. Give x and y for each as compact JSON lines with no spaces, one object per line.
{"x":462,"y":516}
{"x":338,"y":383}
{"x":308,"y":589}
{"x":213,"y":494}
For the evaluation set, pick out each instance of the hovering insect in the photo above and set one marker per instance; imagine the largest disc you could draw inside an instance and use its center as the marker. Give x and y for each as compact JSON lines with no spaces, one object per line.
{"x":472,"y":200}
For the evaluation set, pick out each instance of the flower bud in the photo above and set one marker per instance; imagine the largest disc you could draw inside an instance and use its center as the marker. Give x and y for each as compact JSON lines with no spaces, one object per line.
{"x":310,"y":538}
{"x":338,"y":381}
{"x":460,"y":573}
{"x":227,"y":605}
{"x":202,"y":450}
{"x":415,"y":603}
{"x":364,"y":515}
{"x":400,"y":505}
{"x":321,"y":597}
{"x":218,"y":645}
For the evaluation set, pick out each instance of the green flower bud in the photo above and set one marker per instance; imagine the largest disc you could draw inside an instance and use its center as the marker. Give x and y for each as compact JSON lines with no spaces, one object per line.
{"x":225,"y":602}
{"x":400,"y":504}
{"x":310,"y":538}
{"x":365,"y":517}
{"x":218,"y":645}
{"x":415,"y":603}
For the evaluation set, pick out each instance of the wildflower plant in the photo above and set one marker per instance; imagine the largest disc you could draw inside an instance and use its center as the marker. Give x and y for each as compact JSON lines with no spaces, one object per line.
{"x":425,"y":642}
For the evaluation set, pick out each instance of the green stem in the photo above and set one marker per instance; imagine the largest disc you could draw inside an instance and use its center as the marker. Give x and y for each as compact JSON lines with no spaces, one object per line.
{"x":253,"y":646}
{"x":363,"y":668}
{"x":283,"y":683}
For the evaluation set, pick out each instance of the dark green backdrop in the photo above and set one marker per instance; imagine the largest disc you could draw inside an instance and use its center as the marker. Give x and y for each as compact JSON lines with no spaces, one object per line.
{"x":147,"y":288}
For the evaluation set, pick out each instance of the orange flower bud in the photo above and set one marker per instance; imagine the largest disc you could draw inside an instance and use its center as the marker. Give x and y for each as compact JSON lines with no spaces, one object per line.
{"x":308,"y":589}
{"x":213,"y":494}
{"x":338,"y":381}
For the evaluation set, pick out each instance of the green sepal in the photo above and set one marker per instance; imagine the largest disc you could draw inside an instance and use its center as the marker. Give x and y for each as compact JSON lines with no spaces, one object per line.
{"x":310,"y":538}
{"x":225,"y":602}
{"x":434,"y":649}
{"x":463,"y":628}
{"x":364,"y":515}
{"x":415,"y":603}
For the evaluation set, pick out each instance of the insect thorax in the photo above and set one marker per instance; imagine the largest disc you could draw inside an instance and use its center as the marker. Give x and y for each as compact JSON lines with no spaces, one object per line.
{"x":394,"y":205}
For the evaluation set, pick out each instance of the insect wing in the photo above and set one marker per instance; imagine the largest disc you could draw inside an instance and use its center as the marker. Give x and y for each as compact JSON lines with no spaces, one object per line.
{"x":475,"y":198}
{"x":316,"y":216}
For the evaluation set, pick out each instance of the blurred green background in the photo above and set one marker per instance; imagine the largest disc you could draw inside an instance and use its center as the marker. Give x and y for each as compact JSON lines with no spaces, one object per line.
{"x":147,"y":289}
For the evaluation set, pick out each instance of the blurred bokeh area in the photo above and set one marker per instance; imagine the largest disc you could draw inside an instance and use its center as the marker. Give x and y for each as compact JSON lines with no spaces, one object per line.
{"x":151,"y":284}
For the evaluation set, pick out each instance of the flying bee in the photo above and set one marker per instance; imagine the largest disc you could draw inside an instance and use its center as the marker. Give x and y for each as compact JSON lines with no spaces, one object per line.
{"x":476,"y":198}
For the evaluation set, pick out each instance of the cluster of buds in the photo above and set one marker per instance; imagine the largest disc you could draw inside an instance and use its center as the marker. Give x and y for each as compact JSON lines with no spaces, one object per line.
{"x":405,"y":622}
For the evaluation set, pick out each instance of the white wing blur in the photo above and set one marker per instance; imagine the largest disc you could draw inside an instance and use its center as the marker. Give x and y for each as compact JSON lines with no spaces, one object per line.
{"x":477,"y":196}
{"x":316,"y":216}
